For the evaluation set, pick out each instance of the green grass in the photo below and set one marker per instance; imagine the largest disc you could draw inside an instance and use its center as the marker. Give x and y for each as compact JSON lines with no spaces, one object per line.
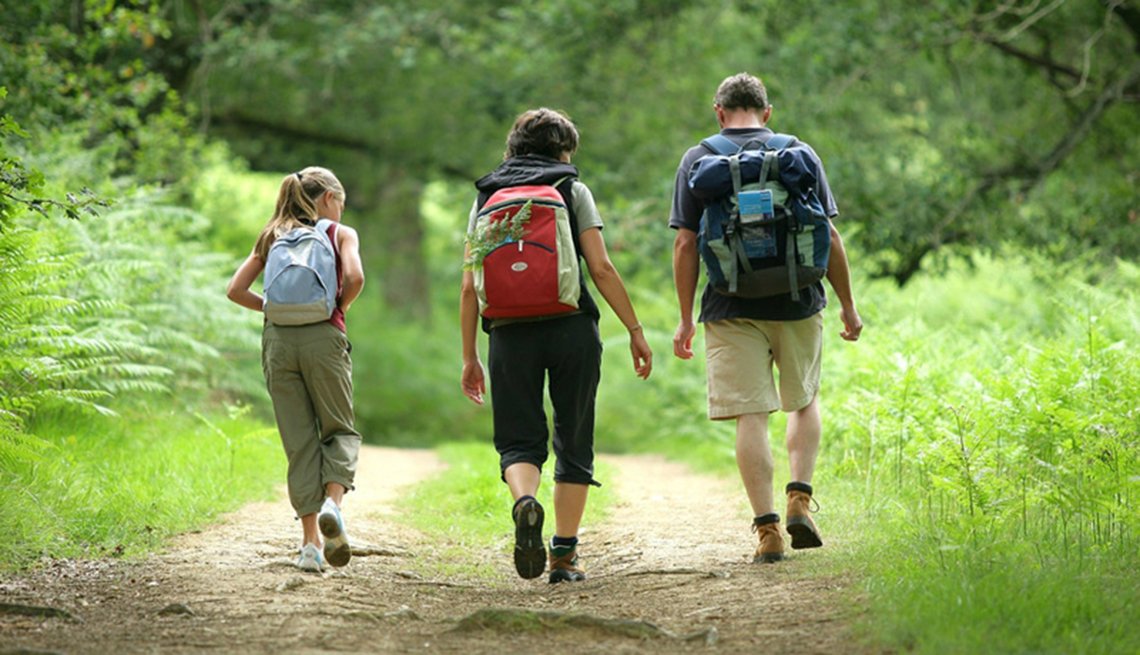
{"x":119,"y":486}
{"x":999,"y":599}
{"x":467,"y":507}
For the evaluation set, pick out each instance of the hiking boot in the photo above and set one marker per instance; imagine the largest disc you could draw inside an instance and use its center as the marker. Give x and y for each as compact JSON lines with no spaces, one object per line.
{"x":310,"y":559}
{"x":771,"y":547}
{"x":337,"y":550}
{"x":800,"y":524}
{"x":564,"y":568}
{"x":530,"y":552}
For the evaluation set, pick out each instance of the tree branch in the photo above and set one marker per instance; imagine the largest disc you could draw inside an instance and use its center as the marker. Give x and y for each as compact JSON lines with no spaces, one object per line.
{"x":1129,"y":15}
{"x":1030,"y":174}
{"x":1039,"y":61}
{"x":1112,"y":94}
{"x":288,"y":133}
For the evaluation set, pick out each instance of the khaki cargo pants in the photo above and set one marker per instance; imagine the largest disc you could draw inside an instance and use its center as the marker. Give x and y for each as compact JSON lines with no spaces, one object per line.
{"x":308,"y":372}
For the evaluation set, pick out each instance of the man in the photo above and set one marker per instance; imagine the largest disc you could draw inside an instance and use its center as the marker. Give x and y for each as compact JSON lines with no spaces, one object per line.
{"x":746,"y":336}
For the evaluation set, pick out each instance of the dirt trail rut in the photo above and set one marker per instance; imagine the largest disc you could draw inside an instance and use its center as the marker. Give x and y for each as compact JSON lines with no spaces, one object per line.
{"x":669,"y":572}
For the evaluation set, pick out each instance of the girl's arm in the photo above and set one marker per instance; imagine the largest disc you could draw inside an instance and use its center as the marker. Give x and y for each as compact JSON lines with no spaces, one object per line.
{"x":609,"y":283}
{"x":348,"y":245}
{"x":238,"y":288}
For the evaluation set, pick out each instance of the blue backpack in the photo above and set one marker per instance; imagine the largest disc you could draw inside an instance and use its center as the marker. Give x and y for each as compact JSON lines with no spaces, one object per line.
{"x":764,"y":231}
{"x":300,"y":276}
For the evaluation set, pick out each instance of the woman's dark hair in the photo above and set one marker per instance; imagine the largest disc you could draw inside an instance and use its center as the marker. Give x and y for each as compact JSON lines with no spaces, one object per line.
{"x":542,"y":131}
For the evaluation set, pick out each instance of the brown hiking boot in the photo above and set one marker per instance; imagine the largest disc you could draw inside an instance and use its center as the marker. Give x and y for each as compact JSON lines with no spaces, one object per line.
{"x":771,"y":548}
{"x":565,"y":568}
{"x":800,"y":524}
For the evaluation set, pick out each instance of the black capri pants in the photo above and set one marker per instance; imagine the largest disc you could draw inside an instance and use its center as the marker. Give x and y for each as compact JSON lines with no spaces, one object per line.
{"x":520,"y":357}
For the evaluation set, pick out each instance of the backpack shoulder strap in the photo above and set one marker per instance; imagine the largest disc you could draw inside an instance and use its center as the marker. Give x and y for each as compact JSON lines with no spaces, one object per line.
{"x":565,"y":187}
{"x":721,"y":145}
{"x":779,"y":141}
{"x":323,"y":226}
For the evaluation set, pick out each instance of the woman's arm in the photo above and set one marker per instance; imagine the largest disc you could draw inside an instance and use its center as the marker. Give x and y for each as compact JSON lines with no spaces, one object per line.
{"x":238,"y":288}
{"x":609,"y":283}
{"x":472,"y":380}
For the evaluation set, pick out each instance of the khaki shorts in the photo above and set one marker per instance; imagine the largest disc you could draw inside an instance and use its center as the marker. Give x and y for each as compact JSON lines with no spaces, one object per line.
{"x":740,"y":353}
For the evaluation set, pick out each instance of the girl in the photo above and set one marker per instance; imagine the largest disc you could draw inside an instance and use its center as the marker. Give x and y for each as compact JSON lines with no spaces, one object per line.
{"x":566,"y":347}
{"x":308,"y":369}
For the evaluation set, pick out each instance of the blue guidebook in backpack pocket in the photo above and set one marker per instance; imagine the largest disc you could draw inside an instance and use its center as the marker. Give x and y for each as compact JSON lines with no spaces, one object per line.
{"x":755,"y":206}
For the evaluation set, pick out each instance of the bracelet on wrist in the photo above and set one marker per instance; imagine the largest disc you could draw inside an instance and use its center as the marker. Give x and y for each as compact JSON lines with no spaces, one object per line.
{"x":634,"y":328}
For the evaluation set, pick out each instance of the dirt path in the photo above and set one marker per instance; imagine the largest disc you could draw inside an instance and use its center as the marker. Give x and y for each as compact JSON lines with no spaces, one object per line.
{"x":670,"y":572}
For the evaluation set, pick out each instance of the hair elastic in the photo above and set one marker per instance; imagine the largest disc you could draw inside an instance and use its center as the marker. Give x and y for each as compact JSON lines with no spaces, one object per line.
{"x":299,"y":179}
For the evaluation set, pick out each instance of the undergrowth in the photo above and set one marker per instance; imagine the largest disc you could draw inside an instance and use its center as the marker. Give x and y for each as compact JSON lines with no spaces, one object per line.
{"x":118,"y":486}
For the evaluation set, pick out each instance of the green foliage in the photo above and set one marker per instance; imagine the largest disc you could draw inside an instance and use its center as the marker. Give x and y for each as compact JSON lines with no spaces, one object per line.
{"x":997,"y":448}
{"x":44,"y":359}
{"x":162,"y":290}
{"x":124,"y":305}
{"x":21,"y":188}
{"x":489,"y":235}
{"x":946,"y":125}
{"x":98,"y":70}
{"x":118,"y":487}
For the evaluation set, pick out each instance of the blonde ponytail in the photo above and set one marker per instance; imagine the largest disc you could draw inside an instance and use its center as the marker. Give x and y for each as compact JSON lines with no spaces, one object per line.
{"x":297,"y":204}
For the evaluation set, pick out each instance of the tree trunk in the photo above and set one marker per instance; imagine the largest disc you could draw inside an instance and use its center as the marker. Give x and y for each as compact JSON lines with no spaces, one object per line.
{"x":392,"y":238}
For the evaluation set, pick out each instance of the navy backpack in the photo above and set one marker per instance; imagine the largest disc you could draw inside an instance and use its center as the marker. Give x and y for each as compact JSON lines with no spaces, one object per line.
{"x":764,"y":231}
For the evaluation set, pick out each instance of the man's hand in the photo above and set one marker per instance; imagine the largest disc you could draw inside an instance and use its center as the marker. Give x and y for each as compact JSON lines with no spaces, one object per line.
{"x":852,"y":324}
{"x":683,"y":339}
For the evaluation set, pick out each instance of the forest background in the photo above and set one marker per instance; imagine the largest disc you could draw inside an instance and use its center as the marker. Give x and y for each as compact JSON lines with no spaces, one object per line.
{"x":985,"y":156}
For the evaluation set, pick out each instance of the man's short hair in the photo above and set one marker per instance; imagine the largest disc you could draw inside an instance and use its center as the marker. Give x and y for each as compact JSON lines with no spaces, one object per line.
{"x":742,"y":91}
{"x":542,"y":131}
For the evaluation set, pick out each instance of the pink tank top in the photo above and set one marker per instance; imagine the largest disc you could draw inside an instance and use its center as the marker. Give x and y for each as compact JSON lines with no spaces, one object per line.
{"x":337,"y":318}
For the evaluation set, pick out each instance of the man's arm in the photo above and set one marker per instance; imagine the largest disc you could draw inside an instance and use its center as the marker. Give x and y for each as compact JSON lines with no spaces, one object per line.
{"x":839,"y":276}
{"x":686,"y":273}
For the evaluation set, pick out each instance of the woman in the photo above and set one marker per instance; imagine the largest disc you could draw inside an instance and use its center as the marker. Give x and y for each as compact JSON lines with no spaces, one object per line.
{"x":564,"y":347}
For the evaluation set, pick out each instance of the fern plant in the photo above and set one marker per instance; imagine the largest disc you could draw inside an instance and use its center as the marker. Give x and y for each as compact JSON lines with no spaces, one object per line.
{"x":490,"y":234}
{"x":163,"y":292}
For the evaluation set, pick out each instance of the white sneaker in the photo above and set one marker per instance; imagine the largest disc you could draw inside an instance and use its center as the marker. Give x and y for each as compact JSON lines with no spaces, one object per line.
{"x":337,"y":550}
{"x":310,"y":559}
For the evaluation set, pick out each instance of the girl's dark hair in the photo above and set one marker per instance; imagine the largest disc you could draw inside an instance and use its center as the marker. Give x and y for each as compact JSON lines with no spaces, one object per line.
{"x":542,"y":131}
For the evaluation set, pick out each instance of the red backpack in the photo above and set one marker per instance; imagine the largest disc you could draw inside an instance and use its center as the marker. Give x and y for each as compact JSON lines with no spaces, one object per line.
{"x":528,"y":264}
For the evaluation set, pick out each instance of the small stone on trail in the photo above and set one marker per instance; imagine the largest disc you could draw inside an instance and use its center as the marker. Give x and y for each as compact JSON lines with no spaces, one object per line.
{"x":291,"y":584}
{"x":176,"y":609}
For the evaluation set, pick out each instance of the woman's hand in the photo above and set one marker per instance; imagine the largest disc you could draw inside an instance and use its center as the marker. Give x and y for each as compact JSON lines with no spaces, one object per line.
{"x":474,"y":386}
{"x":642,"y":355}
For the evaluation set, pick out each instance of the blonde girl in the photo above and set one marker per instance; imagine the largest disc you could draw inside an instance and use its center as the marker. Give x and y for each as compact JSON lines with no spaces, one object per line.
{"x":308,"y":370}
